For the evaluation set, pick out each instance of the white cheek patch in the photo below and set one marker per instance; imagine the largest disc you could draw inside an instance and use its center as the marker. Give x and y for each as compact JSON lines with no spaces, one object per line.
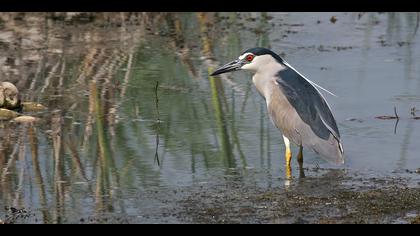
{"x":247,"y":67}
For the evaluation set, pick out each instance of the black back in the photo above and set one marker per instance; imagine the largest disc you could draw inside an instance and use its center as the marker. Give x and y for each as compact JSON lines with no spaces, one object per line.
{"x":308,"y":102}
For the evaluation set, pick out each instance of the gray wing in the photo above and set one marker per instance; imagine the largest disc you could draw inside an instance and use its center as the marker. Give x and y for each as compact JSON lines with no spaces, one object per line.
{"x":314,"y":111}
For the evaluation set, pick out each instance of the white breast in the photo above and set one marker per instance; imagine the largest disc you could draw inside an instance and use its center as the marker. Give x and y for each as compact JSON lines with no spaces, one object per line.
{"x":265,"y":80}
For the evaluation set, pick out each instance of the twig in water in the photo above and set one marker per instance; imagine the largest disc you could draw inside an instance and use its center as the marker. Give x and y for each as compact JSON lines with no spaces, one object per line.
{"x":413,"y":111}
{"x":398,"y":120}
{"x":395,"y":112}
{"x":157,"y":102}
{"x":157,"y":123}
{"x":395,"y":127}
{"x":389,"y":117}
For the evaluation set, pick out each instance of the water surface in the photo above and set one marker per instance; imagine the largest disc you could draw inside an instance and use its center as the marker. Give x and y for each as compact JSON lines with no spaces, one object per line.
{"x":106,"y":146}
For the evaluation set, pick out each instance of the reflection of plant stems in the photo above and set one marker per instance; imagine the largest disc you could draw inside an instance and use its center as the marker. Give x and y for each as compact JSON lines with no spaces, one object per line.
{"x":226,"y":148}
{"x":157,"y":102}
{"x":396,"y":125}
{"x":33,"y":140}
{"x":157,"y":123}
{"x":21,"y":155}
{"x":246,"y":97}
{"x":89,"y":118}
{"x":398,"y":120}
{"x":51,"y":74}
{"x":415,"y":28}
{"x":10,"y":163}
{"x":56,"y":123}
{"x":234,"y":132}
{"x":216,"y":87}
{"x":103,"y":184}
{"x":202,"y":17}
{"x":76,"y":158}
{"x":268,"y":126}
{"x":262,"y":134}
{"x":126,"y":77}
{"x":262,"y":33}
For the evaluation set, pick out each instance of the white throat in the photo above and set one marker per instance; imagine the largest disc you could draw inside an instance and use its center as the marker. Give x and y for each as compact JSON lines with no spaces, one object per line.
{"x":265,"y":75}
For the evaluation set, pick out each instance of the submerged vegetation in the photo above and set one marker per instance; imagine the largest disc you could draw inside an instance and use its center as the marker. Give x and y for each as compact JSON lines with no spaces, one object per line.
{"x":89,"y":81}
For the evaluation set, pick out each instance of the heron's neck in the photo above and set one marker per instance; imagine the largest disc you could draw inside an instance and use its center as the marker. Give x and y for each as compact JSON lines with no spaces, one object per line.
{"x":265,"y":78}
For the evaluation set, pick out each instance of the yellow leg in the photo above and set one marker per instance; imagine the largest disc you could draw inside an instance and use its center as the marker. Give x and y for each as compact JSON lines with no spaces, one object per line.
{"x":300,"y":162}
{"x":288,"y":157}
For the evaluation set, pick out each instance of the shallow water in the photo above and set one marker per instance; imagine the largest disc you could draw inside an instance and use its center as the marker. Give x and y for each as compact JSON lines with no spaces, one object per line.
{"x":105,"y":147}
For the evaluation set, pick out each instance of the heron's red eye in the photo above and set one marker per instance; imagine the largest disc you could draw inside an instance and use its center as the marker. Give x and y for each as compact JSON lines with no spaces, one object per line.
{"x":250,"y":57}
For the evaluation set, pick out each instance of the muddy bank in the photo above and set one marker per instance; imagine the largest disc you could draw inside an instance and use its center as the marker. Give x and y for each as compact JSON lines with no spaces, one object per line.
{"x":333,"y":197}
{"x":325,"y":196}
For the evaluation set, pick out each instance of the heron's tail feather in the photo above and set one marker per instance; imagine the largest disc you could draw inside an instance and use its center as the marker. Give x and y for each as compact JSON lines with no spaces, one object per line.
{"x":330,"y":150}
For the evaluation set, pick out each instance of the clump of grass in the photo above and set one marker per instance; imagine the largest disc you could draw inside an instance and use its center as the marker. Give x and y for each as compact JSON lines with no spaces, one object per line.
{"x":14,"y":214}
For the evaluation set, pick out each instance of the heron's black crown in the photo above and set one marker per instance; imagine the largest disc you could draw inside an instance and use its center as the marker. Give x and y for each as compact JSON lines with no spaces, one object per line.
{"x":264,"y":51}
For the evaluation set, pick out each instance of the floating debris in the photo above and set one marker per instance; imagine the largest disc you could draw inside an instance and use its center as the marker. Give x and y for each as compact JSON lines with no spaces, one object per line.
{"x":402,"y":43}
{"x":354,"y":119}
{"x":322,"y":49}
{"x":389,"y":117}
{"x":333,"y":19}
{"x":339,"y":48}
{"x":32,"y":107}
{"x":413,"y":111}
{"x":6,"y":114}
{"x":15,"y":214}
{"x":25,"y":119}
{"x":386,"y":117}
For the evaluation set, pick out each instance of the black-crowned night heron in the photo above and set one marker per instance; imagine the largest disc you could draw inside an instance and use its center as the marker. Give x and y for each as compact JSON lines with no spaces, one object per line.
{"x":294,"y":104}
{"x":9,"y":96}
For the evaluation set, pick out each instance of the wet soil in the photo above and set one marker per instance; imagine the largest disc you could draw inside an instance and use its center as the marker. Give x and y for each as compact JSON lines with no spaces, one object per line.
{"x":325,"y":196}
{"x":346,"y":199}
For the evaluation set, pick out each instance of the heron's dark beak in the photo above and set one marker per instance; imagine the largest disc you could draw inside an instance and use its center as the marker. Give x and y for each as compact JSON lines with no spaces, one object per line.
{"x":231,"y":66}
